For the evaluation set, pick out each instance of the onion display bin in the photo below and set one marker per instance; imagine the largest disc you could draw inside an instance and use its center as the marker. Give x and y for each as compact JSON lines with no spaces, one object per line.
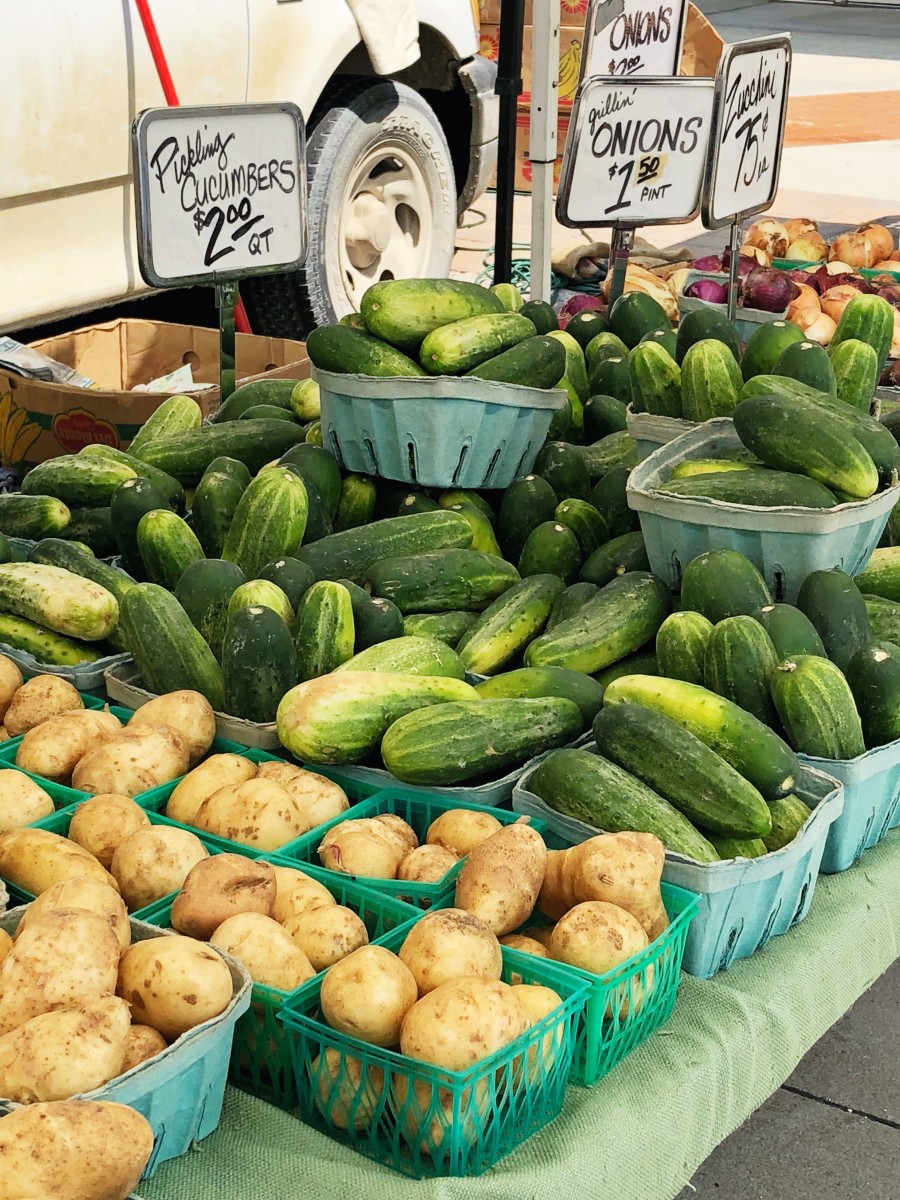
{"x":261,"y":1055}
{"x":786,"y":543}
{"x":180,"y":1091}
{"x":438,"y":432}
{"x":651,"y":431}
{"x":746,"y":320}
{"x":419,"y":1119}
{"x":871,"y":803}
{"x":418,"y":810}
{"x":743,"y":902}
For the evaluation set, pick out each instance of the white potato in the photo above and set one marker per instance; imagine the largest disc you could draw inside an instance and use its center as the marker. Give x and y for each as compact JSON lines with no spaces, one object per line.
{"x":258,"y":813}
{"x":54,"y":748}
{"x":597,"y":936}
{"x":101,"y":824}
{"x":447,"y":944}
{"x":6,"y":944}
{"x":35,"y":859}
{"x":463,"y":1021}
{"x":220,"y":887}
{"x":295,"y":895}
{"x":141,"y":1044}
{"x":267,"y":950}
{"x":427,"y":864}
{"x":400,"y":830}
{"x":153,"y":862}
{"x":367,"y":995}
{"x":539,"y":1002}
{"x":362,"y":847}
{"x":134,"y":761}
{"x":174,"y":984}
{"x":342,"y":1095}
{"x":460,"y":830}
{"x":81,"y":892}
{"x":38,"y":700}
{"x":320,"y":798}
{"x":22,"y":802}
{"x":327,"y":933}
{"x":219,"y":770}
{"x":10,"y":682}
{"x":187,"y":712}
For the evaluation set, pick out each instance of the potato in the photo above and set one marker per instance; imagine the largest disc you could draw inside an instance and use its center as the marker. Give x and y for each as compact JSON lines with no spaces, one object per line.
{"x":22,"y":802}
{"x":341,"y":1090}
{"x":540,"y":1002}
{"x":4,"y":734}
{"x":258,"y":813}
{"x":426,"y":864}
{"x":597,"y":936}
{"x":59,"y":1054}
{"x":134,"y":761}
{"x":35,"y":859}
{"x":320,"y":798}
{"x":399,"y":829}
{"x":174,"y":983}
{"x":153,"y":862}
{"x":38,"y":700}
{"x":220,"y":887}
{"x":537,"y":933}
{"x":217,"y":772}
{"x":101,"y":825}
{"x":54,"y":748}
{"x":525,"y":944}
{"x":82,"y":892}
{"x":502,"y":876}
{"x":367,"y":995}
{"x":327,"y":933}
{"x":141,"y":1044}
{"x":463,"y":1021}
{"x":557,"y":896}
{"x":73,"y":1150}
{"x":434,"y":1140}
{"x":362,"y":847}
{"x":296,"y":895}
{"x":63,"y":959}
{"x":186,"y":712}
{"x":6,"y":944}
{"x":448,"y":944}
{"x":461,"y":829}
{"x":622,"y":869}
{"x":10,"y":682}
{"x":267,"y":950}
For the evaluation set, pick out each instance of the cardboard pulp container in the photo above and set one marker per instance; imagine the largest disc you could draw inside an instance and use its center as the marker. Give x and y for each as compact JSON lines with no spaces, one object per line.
{"x":117,"y":356}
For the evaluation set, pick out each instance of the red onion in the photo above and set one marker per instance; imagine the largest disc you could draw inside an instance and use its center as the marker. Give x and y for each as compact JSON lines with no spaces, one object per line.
{"x":711,"y":262}
{"x":891,"y":293}
{"x":708,"y":290}
{"x":768,"y":290}
{"x":800,"y":276}
{"x":576,"y":304}
{"x":746,"y":264}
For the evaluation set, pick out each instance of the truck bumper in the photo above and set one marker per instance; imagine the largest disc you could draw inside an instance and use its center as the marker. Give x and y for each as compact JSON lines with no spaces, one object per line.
{"x":478,"y":77}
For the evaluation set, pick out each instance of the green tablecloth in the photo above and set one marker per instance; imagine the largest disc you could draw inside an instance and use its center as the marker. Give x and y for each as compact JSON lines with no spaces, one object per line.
{"x":640,"y":1132}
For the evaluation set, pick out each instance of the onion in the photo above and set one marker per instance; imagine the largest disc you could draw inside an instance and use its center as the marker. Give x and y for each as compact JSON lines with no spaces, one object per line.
{"x":768,"y":290}
{"x":890,"y":376}
{"x":894,"y":351}
{"x":810,"y":248}
{"x":577,"y":304}
{"x":890,"y":292}
{"x":711,"y":262}
{"x":836,"y":299}
{"x":804,"y":310}
{"x":678,"y":279}
{"x":799,"y":227}
{"x":888,"y":265}
{"x":821,"y":331}
{"x":768,"y":235}
{"x":855,"y":249}
{"x":758,"y":258}
{"x":708,"y":290}
{"x":881,"y":239}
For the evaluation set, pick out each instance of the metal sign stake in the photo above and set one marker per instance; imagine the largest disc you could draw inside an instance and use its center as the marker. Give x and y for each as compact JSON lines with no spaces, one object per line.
{"x":734,"y":243}
{"x":620,"y":248}
{"x":226,"y":301}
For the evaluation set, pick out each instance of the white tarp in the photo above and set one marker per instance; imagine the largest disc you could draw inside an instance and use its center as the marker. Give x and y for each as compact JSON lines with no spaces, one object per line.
{"x":390,"y":30}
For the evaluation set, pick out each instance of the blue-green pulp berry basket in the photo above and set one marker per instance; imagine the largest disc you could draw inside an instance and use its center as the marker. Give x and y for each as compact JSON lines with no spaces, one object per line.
{"x":421,"y":1120}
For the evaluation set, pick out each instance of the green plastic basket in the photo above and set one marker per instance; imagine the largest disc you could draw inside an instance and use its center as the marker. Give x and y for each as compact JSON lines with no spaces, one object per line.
{"x":418,"y":809}
{"x":261,"y":1054}
{"x":421,"y":1120}
{"x":626,"y":1005}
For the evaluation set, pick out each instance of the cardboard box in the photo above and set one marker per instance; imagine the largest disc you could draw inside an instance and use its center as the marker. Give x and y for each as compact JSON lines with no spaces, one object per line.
{"x":571,"y":42}
{"x":571,"y":12}
{"x":702,"y":46}
{"x":523,"y":162}
{"x":42,"y":420}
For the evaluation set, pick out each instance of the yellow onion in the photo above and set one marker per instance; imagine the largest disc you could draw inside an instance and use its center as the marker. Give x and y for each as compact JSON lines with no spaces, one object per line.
{"x":882,"y":240}
{"x":838,"y":267}
{"x":639,"y":279}
{"x":821,"y":331}
{"x":890,"y":265}
{"x":760,"y":257}
{"x":678,"y":279}
{"x":804,"y":310}
{"x":799,"y":227}
{"x":855,"y":249}
{"x":836,"y":299}
{"x":768,"y":235}
{"x":810,"y":248}
{"x":895,"y":340}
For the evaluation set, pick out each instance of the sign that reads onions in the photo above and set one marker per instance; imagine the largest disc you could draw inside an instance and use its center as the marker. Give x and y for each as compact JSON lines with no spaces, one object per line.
{"x":633,"y":37}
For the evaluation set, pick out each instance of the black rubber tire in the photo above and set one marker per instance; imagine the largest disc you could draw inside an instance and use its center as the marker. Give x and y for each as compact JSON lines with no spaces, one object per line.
{"x":348,"y":122}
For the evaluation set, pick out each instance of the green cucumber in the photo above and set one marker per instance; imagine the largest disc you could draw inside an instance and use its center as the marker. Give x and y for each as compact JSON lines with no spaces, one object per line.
{"x":454,"y":496}
{"x":532,"y":683}
{"x":316,"y":465}
{"x":408,"y":655}
{"x":884,"y":619}
{"x":603,"y":415}
{"x":766,"y":345}
{"x":348,"y":351}
{"x":594,"y":790}
{"x":740,"y":659}
{"x":261,"y":593}
{"x":418,"y":502}
{"x":874,"y":679}
{"x":259,"y":663}
{"x":483,"y":537}
{"x":509,"y":296}
{"x":744,"y":742}
{"x":706,"y":466}
{"x":610,"y":498}
{"x":541,"y":315}
{"x":585,"y":522}
{"x":325,"y":633}
{"x":51,"y":649}
{"x":569,"y":602}
{"x":314,"y":435}
{"x":455,"y":348}
{"x":702,"y":324}
{"x":662,"y":337}
{"x":655,"y":380}
{"x":789,"y":815}
{"x":356,"y":505}
{"x":634,"y":664}
{"x":817,"y":708}
{"x":710,"y":381}
{"x":204,"y":591}
{"x":404,"y":311}
{"x":508,"y":625}
{"x":94,"y":528}
{"x":351,"y":553}
{"x":855,"y":367}
{"x":723,"y":583}
{"x":601,"y":346}
{"x":790,"y":631}
{"x":215,"y":502}
{"x":374,"y":619}
{"x":611,"y":453}
{"x":610,"y":376}
{"x":175,"y":416}
{"x":575,"y":381}
{"x":756,"y":486}
{"x":254,"y":443}
{"x":56,"y":552}
{"x":551,"y":549}
{"x":526,"y":503}
{"x":171,"y":488}
{"x":449,"y":627}
{"x":869,"y":319}
{"x":259,"y":393}
{"x":881,"y":574}
{"x":681,"y":643}
{"x":76,"y":480}
{"x":729,"y":848}
{"x":585,"y":325}
{"x":634,"y":315}
{"x":306,"y":400}
{"x":129,"y":505}
{"x":293,"y":577}
{"x":834,"y":605}
{"x":32,"y":516}
{"x":537,"y":362}
{"x":808,"y":363}
{"x":229,"y":466}
{"x":682,"y":769}
{"x":441,"y":580}
{"x":268,"y":412}
{"x":619,"y":556}
{"x":167,"y":546}
{"x":269,"y":522}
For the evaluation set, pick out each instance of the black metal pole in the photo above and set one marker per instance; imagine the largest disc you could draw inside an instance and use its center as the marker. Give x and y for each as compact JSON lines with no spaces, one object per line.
{"x":508,"y":88}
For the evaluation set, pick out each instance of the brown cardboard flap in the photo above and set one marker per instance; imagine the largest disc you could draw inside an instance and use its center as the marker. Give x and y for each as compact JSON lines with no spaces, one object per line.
{"x":702,"y":46}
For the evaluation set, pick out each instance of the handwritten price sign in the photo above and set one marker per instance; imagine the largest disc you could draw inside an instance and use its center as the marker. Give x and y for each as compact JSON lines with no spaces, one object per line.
{"x":748,"y":129}
{"x":221,"y":192}
{"x":636,"y":152}
{"x":633,"y":37}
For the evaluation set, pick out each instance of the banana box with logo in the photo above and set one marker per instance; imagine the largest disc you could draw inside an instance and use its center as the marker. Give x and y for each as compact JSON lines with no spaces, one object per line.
{"x":98,"y":403}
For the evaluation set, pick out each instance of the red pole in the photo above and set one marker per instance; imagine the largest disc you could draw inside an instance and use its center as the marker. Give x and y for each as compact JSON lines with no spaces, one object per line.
{"x":241,"y":322}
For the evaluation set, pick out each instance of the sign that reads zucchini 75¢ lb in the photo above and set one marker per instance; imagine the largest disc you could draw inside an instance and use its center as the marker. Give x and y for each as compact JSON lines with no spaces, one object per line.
{"x":220,"y":192}
{"x":748,"y":129}
{"x":636,"y":152}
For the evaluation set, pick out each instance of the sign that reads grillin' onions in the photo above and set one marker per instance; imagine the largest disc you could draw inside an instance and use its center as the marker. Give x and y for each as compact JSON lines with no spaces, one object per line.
{"x":220,"y":191}
{"x":636,"y":152}
{"x":752,"y":83}
{"x":633,"y":37}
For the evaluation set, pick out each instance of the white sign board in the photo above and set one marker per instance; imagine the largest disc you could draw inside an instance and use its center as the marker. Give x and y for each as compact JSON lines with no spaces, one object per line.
{"x":748,"y":129}
{"x":633,"y":37}
{"x":636,"y":152}
{"x":220,"y":192}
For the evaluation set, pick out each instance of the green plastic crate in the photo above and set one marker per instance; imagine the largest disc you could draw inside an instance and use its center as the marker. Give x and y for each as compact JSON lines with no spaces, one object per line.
{"x":418,"y":809}
{"x":261,"y":1053}
{"x":466,"y":1121}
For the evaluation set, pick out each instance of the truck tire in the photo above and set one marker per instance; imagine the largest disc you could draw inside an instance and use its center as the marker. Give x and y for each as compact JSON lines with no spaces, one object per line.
{"x":382,"y":205}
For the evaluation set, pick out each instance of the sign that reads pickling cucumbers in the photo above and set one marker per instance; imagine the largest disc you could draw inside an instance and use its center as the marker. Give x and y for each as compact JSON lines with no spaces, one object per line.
{"x":633,"y":37}
{"x":748,"y":129}
{"x":636,"y":152}
{"x":220,"y":192}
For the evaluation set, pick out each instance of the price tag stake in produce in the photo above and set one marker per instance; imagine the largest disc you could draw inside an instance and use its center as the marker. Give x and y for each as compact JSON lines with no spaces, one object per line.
{"x":635,"y":154}
{"x":749,"y":114}
{"x":220,"y":194}
{"x":625,"y":38}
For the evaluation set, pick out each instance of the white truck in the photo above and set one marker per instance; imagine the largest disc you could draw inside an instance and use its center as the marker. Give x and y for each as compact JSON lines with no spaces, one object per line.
{"x":392,"y":161}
